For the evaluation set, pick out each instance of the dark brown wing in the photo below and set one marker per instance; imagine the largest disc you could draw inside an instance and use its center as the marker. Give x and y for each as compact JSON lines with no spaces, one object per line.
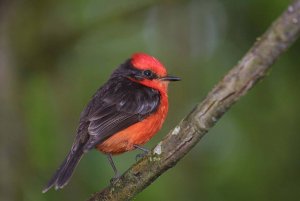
{"x":119,"y":104}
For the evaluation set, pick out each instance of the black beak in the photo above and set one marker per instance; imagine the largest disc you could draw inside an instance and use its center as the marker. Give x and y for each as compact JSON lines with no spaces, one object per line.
{"x":170,"y":78}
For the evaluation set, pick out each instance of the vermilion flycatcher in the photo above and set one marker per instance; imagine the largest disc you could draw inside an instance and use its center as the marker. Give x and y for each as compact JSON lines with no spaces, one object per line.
{"x":124,"y":114}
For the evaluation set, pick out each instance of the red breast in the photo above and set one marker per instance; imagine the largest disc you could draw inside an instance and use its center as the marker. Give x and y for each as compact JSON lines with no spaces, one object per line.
{"x":137,"y":134}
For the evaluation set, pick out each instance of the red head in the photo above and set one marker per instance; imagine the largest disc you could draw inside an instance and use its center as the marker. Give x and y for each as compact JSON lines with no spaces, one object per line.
{"x":153,"y":73}
{"x":143,"y":61}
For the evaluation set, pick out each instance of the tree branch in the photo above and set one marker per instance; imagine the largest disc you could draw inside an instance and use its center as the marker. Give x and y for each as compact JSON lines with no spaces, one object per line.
{"x":238,"y":81}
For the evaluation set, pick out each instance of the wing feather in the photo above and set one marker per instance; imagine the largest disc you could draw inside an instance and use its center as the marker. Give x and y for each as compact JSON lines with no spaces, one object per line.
{"x":115,"y":107}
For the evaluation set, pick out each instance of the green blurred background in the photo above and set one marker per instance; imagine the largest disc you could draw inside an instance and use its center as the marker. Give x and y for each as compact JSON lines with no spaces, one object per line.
{"x":54,"y":54}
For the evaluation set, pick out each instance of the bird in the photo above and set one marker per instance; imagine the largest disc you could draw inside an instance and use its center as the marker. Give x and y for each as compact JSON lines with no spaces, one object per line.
{"x":124,"y":114}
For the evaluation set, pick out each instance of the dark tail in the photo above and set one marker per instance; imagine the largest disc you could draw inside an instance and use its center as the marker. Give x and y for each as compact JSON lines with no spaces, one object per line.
{"x":65,"y":171}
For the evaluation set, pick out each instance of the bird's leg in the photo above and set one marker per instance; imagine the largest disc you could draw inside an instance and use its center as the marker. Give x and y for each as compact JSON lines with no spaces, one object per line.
{"x":117,"y":174}
{"x":141,"y":155}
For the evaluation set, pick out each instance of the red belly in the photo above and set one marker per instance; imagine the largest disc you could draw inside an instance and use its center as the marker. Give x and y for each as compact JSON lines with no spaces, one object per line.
{"x":137,"y":134}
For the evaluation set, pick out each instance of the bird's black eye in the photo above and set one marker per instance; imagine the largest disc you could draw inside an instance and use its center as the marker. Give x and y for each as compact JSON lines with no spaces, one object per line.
{"x":149,"y":74}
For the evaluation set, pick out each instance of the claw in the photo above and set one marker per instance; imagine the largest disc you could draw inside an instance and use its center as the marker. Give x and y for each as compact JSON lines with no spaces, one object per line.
{"x":141,"y":155}
{"x":116,"y":178}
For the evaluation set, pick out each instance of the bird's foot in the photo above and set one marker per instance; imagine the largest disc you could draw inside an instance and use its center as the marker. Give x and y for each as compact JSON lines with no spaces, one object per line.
{"x":141,"y":155}
{"x":115,"y":178}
